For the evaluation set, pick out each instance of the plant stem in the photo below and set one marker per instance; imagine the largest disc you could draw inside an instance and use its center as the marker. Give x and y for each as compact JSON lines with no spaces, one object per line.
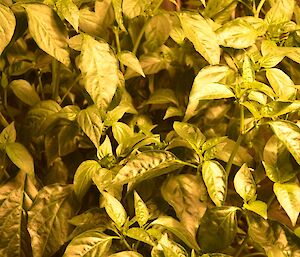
{"x":242,"y":246}
{"x":55,"y":79}
{"x":233,"y":153}
{"x":260,"y":5}
{"x":116,"y":32}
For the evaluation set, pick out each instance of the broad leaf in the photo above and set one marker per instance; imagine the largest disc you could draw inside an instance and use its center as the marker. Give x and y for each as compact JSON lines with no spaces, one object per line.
{"x":8,"y":135}
{"x":140,"y":234}
{"x":133,"y":8}
{"x":25,"y":92}
{"x":177,"y":229}
{"x":289,"y":134}
{"x":114,"y":209}
{"x":218,"y":228}
{"x":220,"y":10}
{"x":83,"y":177}
{"x":288,"y":195}
{"x":244,"y":183}
{"x":199,"y":32}
{"x":258,"y":207}
{"x":48,"y":31}
{"x":99,"y":68}
{"x":90,"y":122}
{"x":129,"y":59}
{"x":147,"y":165}
{"x":215,"y":179}
{"x":48,"y":219}
{"x":88,"y":244}
{"x":126,"y":254}
{"x":69,"y":11}
{"x":7,"y":26}
{"x":186,"y":193}
{"x":281,"y":11}
{"x":141,"y":210}
{"x":205,"y":87}
{"x":20,"y":156}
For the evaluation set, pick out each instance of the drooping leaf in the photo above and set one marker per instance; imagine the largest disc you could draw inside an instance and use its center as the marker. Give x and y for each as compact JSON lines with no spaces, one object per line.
{"x":140,"y":234}
{"x":114,"y":209}
{"x":186,"y":193}
{"x":244,"y":183}
{"x":117,"y":4}
{"x":133,"y":8}
{"x":126,"y":254}
{"x":24,"y":91}
{"x":258,"y":207}
{"x":48,"y":219}
{"x":218,"y":228}
{"x":90,"y":122}
{"x":20,"y":156}
{"x":88,"y":244}
{"x":289,"y":134}
{"x":177,"y":229}
{"x":83,"y":177}
{"x":141,"y":210}
{"x":199,"y":32}
{"x":99,"y":68}
{"x":288,"y":195}
{"x":48,"y":31}
{"x":8,"y":135}
{"x":69,"y":11}
{"x":130,"y":60}
{"x":215,"y":179}
{"x":147,"y":165}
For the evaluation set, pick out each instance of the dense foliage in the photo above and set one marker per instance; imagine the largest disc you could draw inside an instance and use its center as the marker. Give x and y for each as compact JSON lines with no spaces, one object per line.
{"x":149,"y":128}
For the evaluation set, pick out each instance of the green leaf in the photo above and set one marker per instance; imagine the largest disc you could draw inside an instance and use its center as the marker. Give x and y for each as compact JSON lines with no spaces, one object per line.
{"x":278,"y":108}
{"x":20,"y":156}
{"x":205,"y":86}
{"x":280,"y":12}
{"x":48,"y":219}
{"x":248,"y":70}
{"x":141,"y":210}
{"x":163,"y":96}
{"x":88,"y":244}
{"x":281,"y":84}
{"x":114,"y":209}
{"x":140,"y":234}
{"x":218,"y":228}
{"x":8,"y":135}
{"x":215,"y":179}
{"x":200,"y":33}
{"x":237,"y":33}
{"x":190,"y":133}
{"x":147,"y":165}
{"x":186,"y":193}
{"x":177,"y":229}
{"x":83,"y":177}
{"x":69,"y":11}
{"x":129,"y":59}
{"x":90,"y":122}
{"x":288,"y":195}
{"x":117,"y":5}
{"x":99,"y":68}
{"x":276,"y":160}
{"x":48,"y":31}
{"x":244,"y":183}
{"x":15,"y":240}
{"x":105,"y":148}
{"x":121,"y":132}
{"x":289,"y":134}
{"x":258,"y":207}
{"x":126,"y":254}
{"x":133,"y":8}
{"x":7,"y":26}
{"x":173,"y":112}
{"x":24,"y":91}
{"x":220,"y":10}
{"x":170,"y":248}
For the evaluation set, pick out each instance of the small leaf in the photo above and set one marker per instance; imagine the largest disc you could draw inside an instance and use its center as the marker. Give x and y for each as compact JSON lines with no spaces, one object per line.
{"x":258,"y":207}
{"x":117,"y":4}
{"x":126,"y":254}
{"x":129,"y":59}
{"x":199,"y":32}
{"x":140,"y":234}
{"x":8,"y":135}
{"x":218,"y":228}
{"x":163,"y":96}
{"x":215,"y":179}
{"x":90,"y":122}
{"x":289,"y":134}
{"x":7,"y":26}
{"x":288,"y":195}
{"x":25,"y":92}
{"x":114,"y":209}
{"x":244,"y":183}
{"x":88,"y":244}
{"x":48,"y":31}
{"x":20,"y":156}
{"x":147,"y":165}
{"x":133,"y":8}
{"x":105,"y":148}
{"x":99,"y":68}
{"x":141,"y":210}
{"x":83,"y":177}
{"x":248,"y":70}
{"x":69,"y":11}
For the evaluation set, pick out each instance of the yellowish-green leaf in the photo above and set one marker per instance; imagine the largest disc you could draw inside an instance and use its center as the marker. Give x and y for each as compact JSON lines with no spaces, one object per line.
{"x":141,"y":210}
{"x":129,"y":59}
{"x":258,"y":207}
{"x":133,"y":8}
{"x":68,"y":10}
{"x":140,"y":234}
{"x":117,"y":4}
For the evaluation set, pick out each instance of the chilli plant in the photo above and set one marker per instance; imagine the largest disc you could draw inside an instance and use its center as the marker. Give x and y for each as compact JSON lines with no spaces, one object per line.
{"x":136,"y":128}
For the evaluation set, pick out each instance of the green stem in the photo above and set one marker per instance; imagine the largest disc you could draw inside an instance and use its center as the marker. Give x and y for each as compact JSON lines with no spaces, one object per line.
{"x":5,"y":98}
{"x":233,"y":153}
{"x":242,"y":246}
{"x":55,"y":79}
{"x":242,"y":120}
{"x":3,"y":121}
{"x":116,"y":32}
{"x":260,"y":5}
{"x":69,"y":89}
